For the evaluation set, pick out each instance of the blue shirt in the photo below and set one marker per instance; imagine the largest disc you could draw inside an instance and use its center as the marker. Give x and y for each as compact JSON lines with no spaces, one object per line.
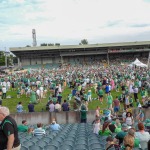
{"x":107,"y":89}
{"x":55,"y":127}
{"x":19,"y":108}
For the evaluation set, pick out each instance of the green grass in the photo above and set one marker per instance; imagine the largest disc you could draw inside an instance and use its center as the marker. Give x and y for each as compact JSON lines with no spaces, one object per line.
{"x":11,"y":103}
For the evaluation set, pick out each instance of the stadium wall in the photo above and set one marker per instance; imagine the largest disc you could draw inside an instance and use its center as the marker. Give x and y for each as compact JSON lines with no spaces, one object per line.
{"x":62,"y":117}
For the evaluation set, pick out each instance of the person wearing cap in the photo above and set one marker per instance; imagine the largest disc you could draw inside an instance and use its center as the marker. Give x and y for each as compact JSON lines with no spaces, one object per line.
{"x":23,"y":127}
{"x":54,"y":126}
{"x":142,"y":135}
{"x":140,"y":116}
{"x":120,"y":136}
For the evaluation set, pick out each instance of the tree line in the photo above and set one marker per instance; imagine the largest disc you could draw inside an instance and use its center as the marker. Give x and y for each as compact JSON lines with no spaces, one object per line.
{"x":83,"y":42}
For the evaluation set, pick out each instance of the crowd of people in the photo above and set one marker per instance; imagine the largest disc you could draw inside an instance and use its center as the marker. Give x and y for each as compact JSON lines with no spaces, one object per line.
{"x":131,"y":85}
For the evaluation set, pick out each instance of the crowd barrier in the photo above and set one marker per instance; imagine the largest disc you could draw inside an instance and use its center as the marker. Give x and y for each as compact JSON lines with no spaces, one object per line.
{"x":61,"y":117}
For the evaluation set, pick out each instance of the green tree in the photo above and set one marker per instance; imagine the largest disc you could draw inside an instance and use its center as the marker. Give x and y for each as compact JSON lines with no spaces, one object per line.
{"x":57,"y":44}
{"x":44,"y":44}
{"x":83,"y":42}
{"x":2,"y":59}
{"x":50,"y":44}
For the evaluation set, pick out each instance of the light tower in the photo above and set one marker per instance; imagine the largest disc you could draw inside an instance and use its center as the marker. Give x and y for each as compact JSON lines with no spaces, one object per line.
{"x":34,"y":37}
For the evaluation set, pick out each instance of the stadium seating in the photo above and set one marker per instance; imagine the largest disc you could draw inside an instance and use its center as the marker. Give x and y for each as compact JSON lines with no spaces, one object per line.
{"x":70,"y":137}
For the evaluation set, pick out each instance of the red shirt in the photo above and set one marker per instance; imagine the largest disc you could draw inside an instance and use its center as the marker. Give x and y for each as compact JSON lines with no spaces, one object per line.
{"x":116,"y":103}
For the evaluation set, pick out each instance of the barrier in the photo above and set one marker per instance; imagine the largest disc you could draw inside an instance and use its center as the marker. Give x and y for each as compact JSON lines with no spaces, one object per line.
{"x":61,"y":117}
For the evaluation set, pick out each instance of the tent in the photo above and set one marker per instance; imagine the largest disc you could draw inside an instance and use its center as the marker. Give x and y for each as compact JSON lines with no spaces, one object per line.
{"x":138,"y":63}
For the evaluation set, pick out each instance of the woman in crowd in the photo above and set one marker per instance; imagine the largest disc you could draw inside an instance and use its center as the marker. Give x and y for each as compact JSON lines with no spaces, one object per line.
{"x":105,"y":129}
{"x":129,"y":119}
{"x":129,"y":140}
{"x":142,"y":135}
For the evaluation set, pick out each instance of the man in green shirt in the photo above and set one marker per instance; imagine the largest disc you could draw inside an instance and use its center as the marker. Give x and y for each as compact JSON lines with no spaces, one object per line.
{"x":83,"y":112}
{"x":23,"y":127}
{"x":100,"y":94}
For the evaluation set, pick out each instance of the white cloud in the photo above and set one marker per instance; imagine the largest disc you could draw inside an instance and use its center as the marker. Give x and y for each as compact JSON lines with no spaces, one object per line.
{"x":63,"y":20}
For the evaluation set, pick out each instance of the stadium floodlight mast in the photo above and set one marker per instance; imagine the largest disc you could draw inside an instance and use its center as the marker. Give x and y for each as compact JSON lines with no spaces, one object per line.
{"x":34,"y":37}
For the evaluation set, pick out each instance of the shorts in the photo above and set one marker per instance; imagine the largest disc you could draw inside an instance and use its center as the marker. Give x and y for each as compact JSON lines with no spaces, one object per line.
{"x":116,"y":109}
{"x":141,"y":115}
{"x":100,"y":96}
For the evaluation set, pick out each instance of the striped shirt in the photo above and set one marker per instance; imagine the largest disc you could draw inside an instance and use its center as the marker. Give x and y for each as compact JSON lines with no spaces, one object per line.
{"x":39,"y":131}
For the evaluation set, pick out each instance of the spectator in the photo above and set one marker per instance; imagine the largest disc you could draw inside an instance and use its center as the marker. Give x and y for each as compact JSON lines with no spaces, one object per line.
{"x":120,"y":136}
{"x":140,"y":116}
{"x":96,"y":126}
{"x":65,"y":106}
{"x":4,"y":92}
{"x":9,"y":139}
{"x":112,"y":127}
{"x":107,"y":89}
{"x":54,"y":126}
{"x":89,"y":96}
{"x":111,"y":144}
{"x":131,"y":101}
{"x":1,"y":93}
{"x":83,"y":112}
{"x":105,"y":129}
{"x":100,"y":95}
{"x":135,"y":93}
{"x":57,"y":107}
{"x":75,"y":107}
{"x":19,"y":107}
{"x":31,"y":107}
{"x":30,"y":131}
{"x":59,"y":97}
{"x":97,"y":113}
{"x":47,"y":105}
{"x":116,"y":106}
{"x":39,"y":131}
{"x":51,"y":106}
{"x":129,"y":119}
{"x":142,"y":135}
{"x":23,"y":127}
{"x":129,"y":140}
{"x":124,"y":115}
{"x":109,"y":101}
{"x":0,"y":102}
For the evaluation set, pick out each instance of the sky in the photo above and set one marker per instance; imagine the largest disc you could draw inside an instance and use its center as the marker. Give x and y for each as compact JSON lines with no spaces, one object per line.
{"x":69,"y":21}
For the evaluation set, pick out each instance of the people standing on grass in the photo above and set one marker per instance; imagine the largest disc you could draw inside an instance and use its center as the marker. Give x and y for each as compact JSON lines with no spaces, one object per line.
{"x":19,"y":107}
{"x":4,"y":91}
